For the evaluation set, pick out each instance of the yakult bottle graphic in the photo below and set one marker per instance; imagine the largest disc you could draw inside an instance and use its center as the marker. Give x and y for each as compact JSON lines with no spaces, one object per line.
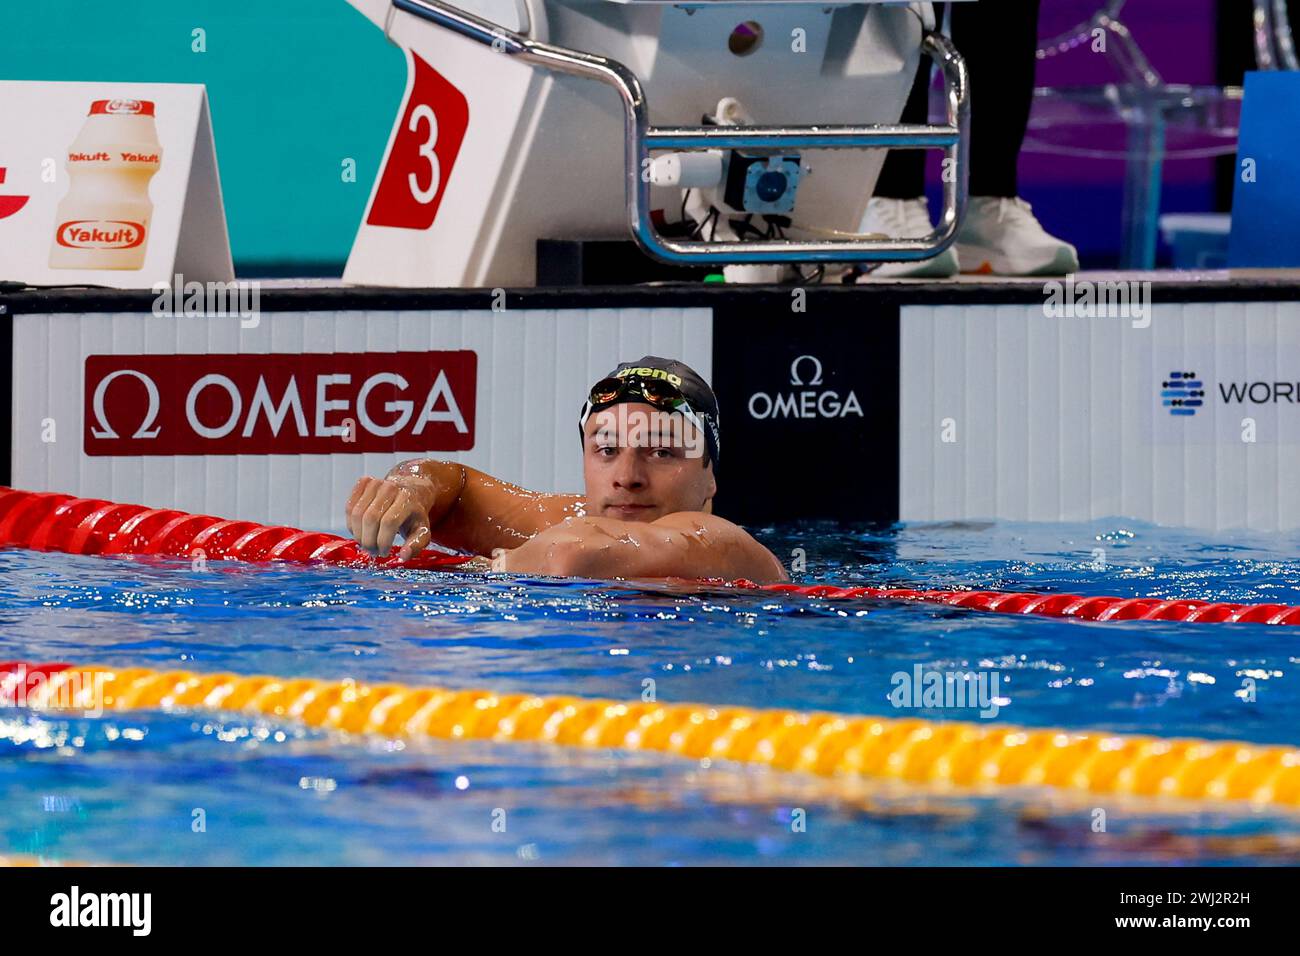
{"x":103,"y":221}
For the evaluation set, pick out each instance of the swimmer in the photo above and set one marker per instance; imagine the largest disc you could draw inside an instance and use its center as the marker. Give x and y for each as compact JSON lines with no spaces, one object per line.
{"x":649,"y":434}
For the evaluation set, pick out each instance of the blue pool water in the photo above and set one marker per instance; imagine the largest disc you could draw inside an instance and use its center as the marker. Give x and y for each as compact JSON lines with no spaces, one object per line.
{"x":130,"y":788}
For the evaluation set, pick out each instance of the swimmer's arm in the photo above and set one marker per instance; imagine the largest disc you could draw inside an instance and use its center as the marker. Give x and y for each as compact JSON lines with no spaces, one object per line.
{"x":458,"y":507}
{"x":686,"y":545}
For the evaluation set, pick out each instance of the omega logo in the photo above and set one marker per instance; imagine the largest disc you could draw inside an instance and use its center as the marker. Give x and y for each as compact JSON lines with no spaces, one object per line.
{"x":804,"y":400}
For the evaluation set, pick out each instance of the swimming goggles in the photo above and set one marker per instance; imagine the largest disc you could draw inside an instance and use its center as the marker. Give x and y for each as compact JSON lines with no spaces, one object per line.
{"x":659,"y":394}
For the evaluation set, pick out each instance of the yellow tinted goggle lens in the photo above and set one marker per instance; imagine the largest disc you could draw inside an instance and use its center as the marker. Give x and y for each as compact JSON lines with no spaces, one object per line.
{"x":659,"y":394}
{"x":605,"y":391}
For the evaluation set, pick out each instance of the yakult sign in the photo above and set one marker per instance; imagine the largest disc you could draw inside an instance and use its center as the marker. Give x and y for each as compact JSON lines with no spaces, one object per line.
{"x":110,"y":184}
{"x":279,"y":403}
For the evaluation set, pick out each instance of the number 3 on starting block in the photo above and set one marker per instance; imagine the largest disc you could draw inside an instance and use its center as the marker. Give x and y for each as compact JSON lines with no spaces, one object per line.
{"x":422,"y":152}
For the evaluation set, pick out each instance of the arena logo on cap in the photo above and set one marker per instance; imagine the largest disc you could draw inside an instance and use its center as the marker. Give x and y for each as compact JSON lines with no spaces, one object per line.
{"x":807,"y":402}
{"x":279,"y":404}
{"x":668,"y":377}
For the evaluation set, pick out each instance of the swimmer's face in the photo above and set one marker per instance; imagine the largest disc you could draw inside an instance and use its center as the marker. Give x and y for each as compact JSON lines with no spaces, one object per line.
{"x":641,"y":463}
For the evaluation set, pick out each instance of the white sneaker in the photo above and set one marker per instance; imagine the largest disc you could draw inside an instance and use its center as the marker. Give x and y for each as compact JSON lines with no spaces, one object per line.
{"x":1002,"y":237}
{"x":906,"y":219}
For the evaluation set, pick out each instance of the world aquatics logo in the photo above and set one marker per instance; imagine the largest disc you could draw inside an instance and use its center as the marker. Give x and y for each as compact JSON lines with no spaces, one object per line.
{"x":1182,"y":393}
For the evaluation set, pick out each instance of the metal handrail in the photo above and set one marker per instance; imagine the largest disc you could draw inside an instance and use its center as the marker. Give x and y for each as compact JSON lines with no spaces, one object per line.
{"x":640,"y":138}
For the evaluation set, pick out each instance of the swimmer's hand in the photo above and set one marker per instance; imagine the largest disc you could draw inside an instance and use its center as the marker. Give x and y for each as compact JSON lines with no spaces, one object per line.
{"x":379,"y":509}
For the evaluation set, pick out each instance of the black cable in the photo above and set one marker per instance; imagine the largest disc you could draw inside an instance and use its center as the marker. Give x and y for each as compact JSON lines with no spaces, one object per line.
{"x":15,"y":285}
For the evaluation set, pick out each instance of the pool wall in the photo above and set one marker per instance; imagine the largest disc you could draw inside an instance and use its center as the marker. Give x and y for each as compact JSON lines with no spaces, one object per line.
{"x":1188,"y":416}
{"x":892,"y":401}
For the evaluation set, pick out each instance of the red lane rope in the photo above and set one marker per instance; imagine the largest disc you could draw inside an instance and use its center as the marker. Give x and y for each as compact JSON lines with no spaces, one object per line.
{"x":57,"y":522}
{"x":1082,"y":607}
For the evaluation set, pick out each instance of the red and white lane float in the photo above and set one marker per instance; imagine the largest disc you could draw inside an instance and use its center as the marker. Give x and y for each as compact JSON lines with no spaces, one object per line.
{"x":57,"y":522}
{"x":46,"y":521}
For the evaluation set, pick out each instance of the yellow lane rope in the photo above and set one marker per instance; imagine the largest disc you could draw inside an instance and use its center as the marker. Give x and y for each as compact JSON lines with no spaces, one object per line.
{"x":957,"y":755}
{"x":24,"y":859}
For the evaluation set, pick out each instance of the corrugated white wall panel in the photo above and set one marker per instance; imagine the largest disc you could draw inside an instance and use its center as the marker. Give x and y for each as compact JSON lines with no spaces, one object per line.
{"x":1061,"y":418}
{"x":533,"y":369}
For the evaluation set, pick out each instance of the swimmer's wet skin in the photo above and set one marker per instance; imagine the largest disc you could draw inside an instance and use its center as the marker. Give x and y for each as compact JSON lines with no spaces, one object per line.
{"x":649,"y":433}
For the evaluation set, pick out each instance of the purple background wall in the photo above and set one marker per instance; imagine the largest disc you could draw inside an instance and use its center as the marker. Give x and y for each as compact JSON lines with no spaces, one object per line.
{"x":1079,"y":198}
